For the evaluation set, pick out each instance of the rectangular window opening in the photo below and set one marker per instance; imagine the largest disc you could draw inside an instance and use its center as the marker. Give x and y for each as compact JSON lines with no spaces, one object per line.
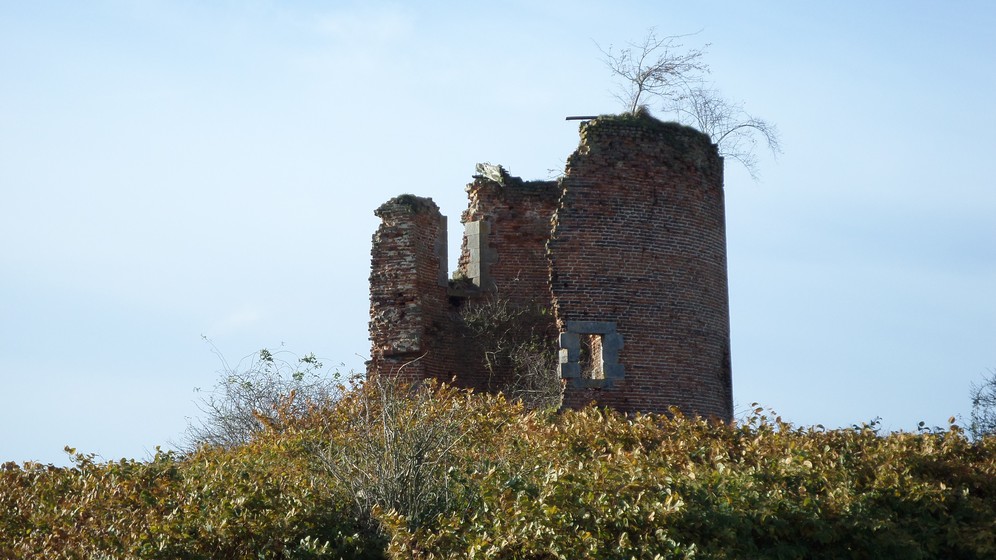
{"x":589,"y":354}
{"x":590,"y":360}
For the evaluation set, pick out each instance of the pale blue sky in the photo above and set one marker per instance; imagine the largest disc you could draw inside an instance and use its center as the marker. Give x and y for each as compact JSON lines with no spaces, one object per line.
{"x":176,"y":168}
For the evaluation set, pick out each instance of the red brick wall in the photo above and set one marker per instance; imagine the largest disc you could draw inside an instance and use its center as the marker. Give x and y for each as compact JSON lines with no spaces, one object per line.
{"x":640,"y":240}
{"x":519,"y":213}
{"x":415,"y":328}
{"x":407,"y":296}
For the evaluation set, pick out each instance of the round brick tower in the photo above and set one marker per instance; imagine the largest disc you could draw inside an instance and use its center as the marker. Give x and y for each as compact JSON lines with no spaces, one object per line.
{"x":638,"y":270}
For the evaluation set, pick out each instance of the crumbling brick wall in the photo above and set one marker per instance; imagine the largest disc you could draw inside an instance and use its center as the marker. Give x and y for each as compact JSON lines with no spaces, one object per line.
{"x":416,"y":329}
{"x":409,"y":316}
{"x":628,"y":250}
{"x":517,"y":214}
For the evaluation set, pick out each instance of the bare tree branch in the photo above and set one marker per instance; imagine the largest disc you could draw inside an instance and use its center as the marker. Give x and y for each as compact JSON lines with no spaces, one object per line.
{"x":662,"y":68}
{"x":984,"y":406}
{"x":262,"y":391}
{"x":657,"y":66}
{"x":516,"y":346}
{"x":398,"y":450}
{"x":734,"y":131}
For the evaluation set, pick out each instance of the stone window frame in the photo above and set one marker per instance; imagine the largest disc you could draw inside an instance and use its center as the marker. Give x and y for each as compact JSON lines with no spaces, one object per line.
{"x":480,"y":253}
{"x":570,"y":353}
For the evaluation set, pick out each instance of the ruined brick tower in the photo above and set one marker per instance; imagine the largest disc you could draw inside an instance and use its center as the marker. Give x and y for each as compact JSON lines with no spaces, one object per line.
{"x":628,"y":250}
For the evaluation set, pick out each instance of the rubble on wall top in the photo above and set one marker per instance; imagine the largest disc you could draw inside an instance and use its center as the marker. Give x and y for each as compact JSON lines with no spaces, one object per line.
{"x":407,"y":202}
{"x":644,"y":121}
{"x":491,"y":172}
{"x":643,"y":130}
{"x":498,"y":175}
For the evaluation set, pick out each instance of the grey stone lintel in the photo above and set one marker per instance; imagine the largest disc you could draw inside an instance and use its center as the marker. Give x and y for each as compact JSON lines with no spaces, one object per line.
{"x":591,"y":327}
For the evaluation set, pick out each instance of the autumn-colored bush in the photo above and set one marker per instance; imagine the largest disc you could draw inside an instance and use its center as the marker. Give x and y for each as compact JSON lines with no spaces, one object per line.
{"x":258,"y":501}
{"x":435,"y":472}
{"x":597,"y":484}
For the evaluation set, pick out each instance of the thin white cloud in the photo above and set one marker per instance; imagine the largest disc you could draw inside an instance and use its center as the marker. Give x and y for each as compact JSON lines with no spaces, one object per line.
{"x":381,"y":24}
{"x":234,"y":322}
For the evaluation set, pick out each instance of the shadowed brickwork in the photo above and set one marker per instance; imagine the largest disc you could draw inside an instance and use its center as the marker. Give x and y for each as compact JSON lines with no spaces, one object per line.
{"x":628,"y":250}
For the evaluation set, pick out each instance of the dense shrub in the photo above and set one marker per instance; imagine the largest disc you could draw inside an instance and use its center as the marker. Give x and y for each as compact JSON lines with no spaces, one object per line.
{"x":259,"y":501}
{"x":595,"y":484}
{"x":439,"y":473}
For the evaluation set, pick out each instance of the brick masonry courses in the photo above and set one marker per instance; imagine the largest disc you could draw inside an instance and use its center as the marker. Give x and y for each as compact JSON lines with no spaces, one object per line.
{"x":639,"y":240}
{"x":629,"y":247}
